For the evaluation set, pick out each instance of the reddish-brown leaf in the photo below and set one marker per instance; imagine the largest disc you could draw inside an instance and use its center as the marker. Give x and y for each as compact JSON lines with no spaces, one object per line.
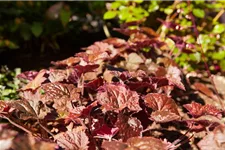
{"x":204,"y":89}
{"x":164,"y":116}
{"x":57,"y":75}
{"x":98,"y":46}
{"x":114,"y":145}
{"x":117,"y":97}
{"x":3,"y":106}
{"x":146,"y":143}
{"x":78,"y":70}
{"x":161,"y":102}
{"x":94,"y":85}
{"x":197,"y":110}
{"x":116,"y":42}
{"x":149,"y":31}
{"x":76,"y":139}
{"x":28,"y":75}
{"x":37,"y":81}
{"x":67,"y":62}
{"x":173,"y":76}
{"x":220,"y":84}
{"x":215,"y":140}
{"x":29,"y":109}
{"x":128,"y":127}
{"x":53,"y":91}
{"x":105,"y":132}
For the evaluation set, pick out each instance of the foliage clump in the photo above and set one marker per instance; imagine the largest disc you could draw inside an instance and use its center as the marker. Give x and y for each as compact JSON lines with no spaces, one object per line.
{"x":191,"y":29}
{"x":9,"y":84}
{"x":116,"y":94}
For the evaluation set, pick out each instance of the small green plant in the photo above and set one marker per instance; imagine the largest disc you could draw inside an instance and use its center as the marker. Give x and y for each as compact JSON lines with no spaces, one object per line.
{"x":9,"y":84}
{"x":190,"y":29}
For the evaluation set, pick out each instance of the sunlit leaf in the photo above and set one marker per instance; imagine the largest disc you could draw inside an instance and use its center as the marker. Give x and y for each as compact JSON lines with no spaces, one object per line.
{"x":110,"y":15}
{"x":37,"y":81}
{"x":146,"y":143}
{"x":218,"y":29}
{"x":197,"y":110}
{"x":117,"y":97}
{"x":76,"y":139}
{"x":199,"y":13}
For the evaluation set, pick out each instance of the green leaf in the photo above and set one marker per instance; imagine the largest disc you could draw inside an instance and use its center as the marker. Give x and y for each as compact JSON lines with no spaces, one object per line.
{"x":25,"y":31}
{"x":110,"y":15}
{"x":138,"y":1}
{"x":199,"y":1}
{"x":195,"y":57}
{"x":168,"y":11}
{"x":115,"y":5}
{"x":65,"y":16}
{"x":222,"y":65}
{"x":153,"y":6}
{"x":37,"y":29}
{"x":124,"y":14}
{"x":219,"y":28}
{"x":218,"y":55}
{"x":199,"y":13}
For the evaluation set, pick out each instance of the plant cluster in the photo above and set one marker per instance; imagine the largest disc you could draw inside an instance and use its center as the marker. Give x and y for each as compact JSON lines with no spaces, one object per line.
{"x":117,"y":95}
{"x":9,"y":84}
{"x":190,"y":28}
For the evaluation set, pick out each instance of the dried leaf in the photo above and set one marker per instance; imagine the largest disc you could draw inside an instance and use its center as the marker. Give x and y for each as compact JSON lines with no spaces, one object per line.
{"x":117,"y":97}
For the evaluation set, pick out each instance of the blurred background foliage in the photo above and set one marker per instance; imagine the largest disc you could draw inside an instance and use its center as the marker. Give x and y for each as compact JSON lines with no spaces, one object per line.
{"x":32,"y":34}
{"x":9,"y":84}
{"x":42,"y":31}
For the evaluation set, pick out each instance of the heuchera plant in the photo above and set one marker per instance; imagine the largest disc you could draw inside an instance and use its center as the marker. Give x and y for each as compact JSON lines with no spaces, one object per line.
{"x":115,"y":95}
